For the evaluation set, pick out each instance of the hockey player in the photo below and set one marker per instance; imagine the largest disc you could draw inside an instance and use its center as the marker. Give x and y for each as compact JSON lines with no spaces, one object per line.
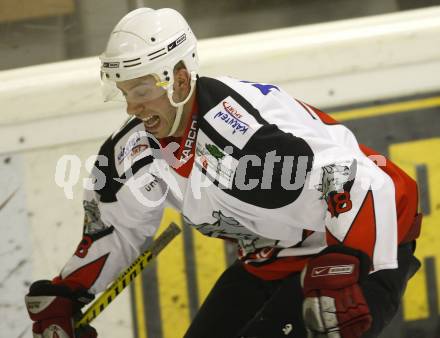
{"x":325,"y":228}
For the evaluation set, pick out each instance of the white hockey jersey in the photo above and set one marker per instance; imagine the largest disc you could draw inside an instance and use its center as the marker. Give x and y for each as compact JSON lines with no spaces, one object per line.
{"x":278,"y":177}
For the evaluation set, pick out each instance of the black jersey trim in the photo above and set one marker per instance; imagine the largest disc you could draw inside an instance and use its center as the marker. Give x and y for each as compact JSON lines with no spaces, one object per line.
{"x":114,"y":182}
{"x":138,"y":165}
{"x":111,"y":187}
{"x":265,"y":140}
{"x":130,"y":124}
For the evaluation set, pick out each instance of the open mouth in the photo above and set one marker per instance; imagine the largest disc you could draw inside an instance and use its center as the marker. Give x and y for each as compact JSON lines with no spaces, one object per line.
{"x":151,"y":121}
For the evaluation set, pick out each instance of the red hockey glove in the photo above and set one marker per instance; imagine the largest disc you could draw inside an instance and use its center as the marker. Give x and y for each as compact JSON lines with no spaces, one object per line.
{"x":53,"y":309}
{"x":334,"y":304}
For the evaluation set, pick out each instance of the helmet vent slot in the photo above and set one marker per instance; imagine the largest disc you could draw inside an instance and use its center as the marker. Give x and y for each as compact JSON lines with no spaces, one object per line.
{"x":157,"y":56}
{"x":127,"y":61}
{"x":159,"y":50}
{"x":154,"y":56}
{"x":136,"y":61}
{"x":132,"y":65}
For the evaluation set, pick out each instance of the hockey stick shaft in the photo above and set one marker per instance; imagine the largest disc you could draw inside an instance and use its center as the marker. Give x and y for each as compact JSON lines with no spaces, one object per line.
{"x":128,"y":275}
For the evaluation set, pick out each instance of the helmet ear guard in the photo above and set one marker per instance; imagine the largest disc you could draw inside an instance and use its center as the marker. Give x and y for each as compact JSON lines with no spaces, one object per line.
{"x":179,"y":105}
{"x":150,"y":42}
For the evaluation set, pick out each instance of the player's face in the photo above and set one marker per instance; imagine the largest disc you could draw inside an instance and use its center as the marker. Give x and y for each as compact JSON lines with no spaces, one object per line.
{"x":149,"y":102}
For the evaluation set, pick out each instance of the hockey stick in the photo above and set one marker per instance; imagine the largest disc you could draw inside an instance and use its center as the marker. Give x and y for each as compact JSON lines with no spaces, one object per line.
{"x":127,"y":276}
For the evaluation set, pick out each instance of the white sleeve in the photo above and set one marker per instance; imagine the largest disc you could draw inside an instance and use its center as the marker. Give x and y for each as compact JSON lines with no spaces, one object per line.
{"x":121,"y":212}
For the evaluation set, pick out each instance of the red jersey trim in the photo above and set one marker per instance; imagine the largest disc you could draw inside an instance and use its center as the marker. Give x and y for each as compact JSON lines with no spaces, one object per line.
{"x":187,"y":143}
{"x":279,"y":268}
{"x":85,"y":276}
{"x":362,"y":232}
{"x":406,"y":195}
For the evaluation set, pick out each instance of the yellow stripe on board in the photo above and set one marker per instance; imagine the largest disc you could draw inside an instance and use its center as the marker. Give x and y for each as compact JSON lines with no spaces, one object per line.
{"x":172,"y":283}
{"x":408,"y":155}
{"x":387,"y":109}
{"x":140,"y":311}
{"x":210,"y":262}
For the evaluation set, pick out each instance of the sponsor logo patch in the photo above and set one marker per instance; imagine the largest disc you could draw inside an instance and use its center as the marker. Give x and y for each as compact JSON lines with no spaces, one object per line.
{"x":213,"y":160}
{"x":233,"y":122}
{"x":191,"y":138}
{"x":92,"y":218}
{"x":177,"y":42}
{"x":150,"y":186}
{"x":110,"y":65}
{"x":336,"y":182}
{"x":216,"y":163}
{"x":223,"y":226}
{"x":133,"y":148}
{"x":320,"y":271}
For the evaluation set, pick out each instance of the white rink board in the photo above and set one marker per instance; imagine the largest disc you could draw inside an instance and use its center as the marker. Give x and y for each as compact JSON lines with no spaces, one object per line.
{"x":60,"y":221}
{"x":326,"y":65}
{"x":55,"y":225}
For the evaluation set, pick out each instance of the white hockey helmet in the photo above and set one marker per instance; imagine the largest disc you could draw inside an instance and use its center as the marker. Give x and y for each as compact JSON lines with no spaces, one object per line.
{"x":149,"y":42}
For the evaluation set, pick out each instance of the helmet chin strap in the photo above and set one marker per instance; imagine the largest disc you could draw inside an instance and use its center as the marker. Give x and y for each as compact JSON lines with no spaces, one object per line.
{"x":179,"y":105}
